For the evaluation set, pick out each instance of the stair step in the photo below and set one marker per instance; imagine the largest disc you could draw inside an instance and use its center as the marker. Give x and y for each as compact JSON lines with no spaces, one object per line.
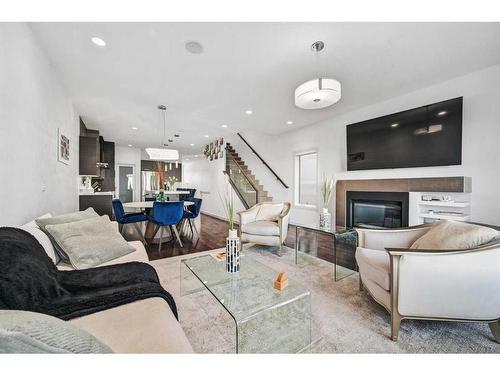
{"x":241,"y":172}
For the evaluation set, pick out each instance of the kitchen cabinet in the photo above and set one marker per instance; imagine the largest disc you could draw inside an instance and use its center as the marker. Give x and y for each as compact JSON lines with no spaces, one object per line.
{"x":101,"y":203}
{"x":89,"y":156}
{"x":108,"y":173}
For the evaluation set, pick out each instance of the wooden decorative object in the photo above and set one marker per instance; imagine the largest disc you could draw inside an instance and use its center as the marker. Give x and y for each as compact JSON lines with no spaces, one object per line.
{"x":281,"y":281}
{"x":218,"y":256}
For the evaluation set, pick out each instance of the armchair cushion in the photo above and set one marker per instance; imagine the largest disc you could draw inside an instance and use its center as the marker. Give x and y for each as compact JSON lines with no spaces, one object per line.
{"x":262,"y":228}
{"x":453,"y":235}
{"x":375,"y":266}
{"x":269,"y":211}
{"x":249,"y":215}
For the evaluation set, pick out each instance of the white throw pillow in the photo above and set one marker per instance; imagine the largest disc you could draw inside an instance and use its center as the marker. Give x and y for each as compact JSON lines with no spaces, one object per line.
{"x":454,"y":235}
{"x":41,"y":237}
{"x":269,"y":211}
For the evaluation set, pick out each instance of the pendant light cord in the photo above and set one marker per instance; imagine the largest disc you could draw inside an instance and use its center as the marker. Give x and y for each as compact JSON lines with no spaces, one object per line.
{"x":164,"y":126}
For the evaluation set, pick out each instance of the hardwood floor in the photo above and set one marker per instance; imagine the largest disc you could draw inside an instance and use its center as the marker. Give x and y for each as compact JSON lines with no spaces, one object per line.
{"x":213,"y":235}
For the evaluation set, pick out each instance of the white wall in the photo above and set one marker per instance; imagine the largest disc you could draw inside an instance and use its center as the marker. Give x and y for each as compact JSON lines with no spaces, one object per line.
{"x":129,"y":156}
{"x":33,"y":105}
{"x":480,"y":156}
{"x":207,"y":177}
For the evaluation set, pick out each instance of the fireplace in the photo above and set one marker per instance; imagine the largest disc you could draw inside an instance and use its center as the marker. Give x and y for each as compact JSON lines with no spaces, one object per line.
{"x":368,"y":209}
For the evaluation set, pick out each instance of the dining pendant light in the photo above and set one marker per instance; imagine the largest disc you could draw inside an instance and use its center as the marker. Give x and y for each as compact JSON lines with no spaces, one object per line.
{"x":319,"y":92}
{"x":161,"y":153}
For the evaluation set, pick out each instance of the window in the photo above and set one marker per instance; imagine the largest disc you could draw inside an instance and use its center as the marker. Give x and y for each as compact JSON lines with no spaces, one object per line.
{"x":306,"y":180}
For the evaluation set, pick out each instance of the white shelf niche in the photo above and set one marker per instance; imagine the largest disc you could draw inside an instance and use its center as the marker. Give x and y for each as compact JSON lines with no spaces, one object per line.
{"x":421,"y":212}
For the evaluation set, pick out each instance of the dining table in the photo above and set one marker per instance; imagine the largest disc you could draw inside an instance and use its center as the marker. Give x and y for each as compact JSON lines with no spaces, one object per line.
{"x":150,"y":226}
{"x":149,"y":204}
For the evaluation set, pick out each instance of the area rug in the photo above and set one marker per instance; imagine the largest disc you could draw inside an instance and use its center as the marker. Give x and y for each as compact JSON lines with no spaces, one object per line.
{"x":345,"y":320}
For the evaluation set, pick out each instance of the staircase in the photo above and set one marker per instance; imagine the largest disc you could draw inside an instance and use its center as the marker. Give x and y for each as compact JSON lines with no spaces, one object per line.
{"x":244,"y":183}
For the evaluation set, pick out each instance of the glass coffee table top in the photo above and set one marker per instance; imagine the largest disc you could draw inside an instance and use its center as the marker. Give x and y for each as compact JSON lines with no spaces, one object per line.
{"x":244,"y":293}
{"x":267,"y":320}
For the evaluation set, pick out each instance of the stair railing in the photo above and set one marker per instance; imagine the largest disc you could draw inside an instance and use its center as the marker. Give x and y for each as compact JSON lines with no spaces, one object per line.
{"x":240,"y":180}
{"x":264,"y":162}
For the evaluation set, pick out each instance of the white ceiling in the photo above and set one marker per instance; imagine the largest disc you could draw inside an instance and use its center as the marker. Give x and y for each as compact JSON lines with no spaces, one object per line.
{"x":248,"y":66}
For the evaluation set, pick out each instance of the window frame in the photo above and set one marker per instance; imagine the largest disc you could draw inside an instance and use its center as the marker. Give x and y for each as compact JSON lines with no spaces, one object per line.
{"x":296,"y":180}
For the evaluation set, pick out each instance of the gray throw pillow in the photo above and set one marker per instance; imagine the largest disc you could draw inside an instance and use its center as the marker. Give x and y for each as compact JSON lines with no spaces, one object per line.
{"x":29,"y":332}
{"x":91,"y":242}
{"x":42,"y":222}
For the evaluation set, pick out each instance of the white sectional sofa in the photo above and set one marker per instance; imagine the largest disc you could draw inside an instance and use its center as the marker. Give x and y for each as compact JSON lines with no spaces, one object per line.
{"x":144,"y":326}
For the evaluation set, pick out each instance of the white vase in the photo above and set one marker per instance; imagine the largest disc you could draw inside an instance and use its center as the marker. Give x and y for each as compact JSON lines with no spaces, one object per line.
{"x":233,"y":233}
{"x":233,"y":245}
{"x":325,"y":219}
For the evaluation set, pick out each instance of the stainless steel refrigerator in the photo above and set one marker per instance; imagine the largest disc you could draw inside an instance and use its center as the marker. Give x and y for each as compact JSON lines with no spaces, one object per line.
{"x":150,"y":184}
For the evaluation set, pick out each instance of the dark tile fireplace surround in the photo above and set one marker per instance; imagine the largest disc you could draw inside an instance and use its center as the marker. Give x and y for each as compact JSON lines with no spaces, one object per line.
{"x":384,"y":202}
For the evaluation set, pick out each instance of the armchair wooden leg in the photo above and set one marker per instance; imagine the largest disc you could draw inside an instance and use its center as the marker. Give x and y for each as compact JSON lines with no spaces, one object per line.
{"x":360,"y":284}
{"x":395,"y":324}
{"x":395,"y":317}
{"x":495,"y":330}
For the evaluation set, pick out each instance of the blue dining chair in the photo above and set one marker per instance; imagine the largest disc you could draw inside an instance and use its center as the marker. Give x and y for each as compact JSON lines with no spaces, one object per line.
{"x":186,"y":197}
{"x":192,"y":213}
{"x":167,"y":214}
{"x":132,"y":218}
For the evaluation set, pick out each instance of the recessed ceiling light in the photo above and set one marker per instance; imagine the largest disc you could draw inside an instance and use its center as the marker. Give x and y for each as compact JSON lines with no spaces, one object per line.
{"x":134,"y":128}
{"x":196,"y":156}
{"x":442,"y":113}
{"x":129,"y":145}
{"x":186,"y":159}
{"x":394,"y":125}
{"x":224,"y":126}
{"x":206,"y":136}
{"x":248,"y":111}
{"x":98,"y":41}
{"x":289,"y":122}
{"x":193,"y":47}
{"x":191,"y":144}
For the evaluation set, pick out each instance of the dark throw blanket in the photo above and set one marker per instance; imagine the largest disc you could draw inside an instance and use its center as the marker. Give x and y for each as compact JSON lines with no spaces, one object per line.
{"x":30,"y":281}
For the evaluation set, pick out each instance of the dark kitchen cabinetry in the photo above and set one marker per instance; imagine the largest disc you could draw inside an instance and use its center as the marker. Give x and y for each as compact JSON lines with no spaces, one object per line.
{"x":97,"y":158}
{"x":107,"y":169}
{"x":100,"y":203}
{"x":89,"y":156}
{"x":171,"y":169}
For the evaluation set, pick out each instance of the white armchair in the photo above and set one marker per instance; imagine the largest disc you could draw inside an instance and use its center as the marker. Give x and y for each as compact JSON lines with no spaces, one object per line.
{"x":265,"y":223}
{"x":456,"y":285}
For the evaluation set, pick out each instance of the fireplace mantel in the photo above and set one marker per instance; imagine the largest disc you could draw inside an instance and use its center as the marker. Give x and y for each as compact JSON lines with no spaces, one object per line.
{"x":428,"y":184}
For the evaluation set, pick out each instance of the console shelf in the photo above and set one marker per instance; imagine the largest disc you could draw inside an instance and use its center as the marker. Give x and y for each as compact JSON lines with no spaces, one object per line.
{"x":444,"y":204}
{"x":445,"y":217}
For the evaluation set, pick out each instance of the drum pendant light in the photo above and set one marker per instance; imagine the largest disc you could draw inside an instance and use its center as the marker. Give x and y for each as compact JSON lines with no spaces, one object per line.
{"x":319,"y":92}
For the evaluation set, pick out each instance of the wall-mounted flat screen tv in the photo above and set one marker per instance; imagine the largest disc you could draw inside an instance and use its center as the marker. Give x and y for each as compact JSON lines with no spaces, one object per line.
{"x":422,"y":137}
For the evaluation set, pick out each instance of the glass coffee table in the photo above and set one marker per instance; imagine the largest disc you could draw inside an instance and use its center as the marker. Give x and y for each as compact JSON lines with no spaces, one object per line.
{"x":267,"y":320}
